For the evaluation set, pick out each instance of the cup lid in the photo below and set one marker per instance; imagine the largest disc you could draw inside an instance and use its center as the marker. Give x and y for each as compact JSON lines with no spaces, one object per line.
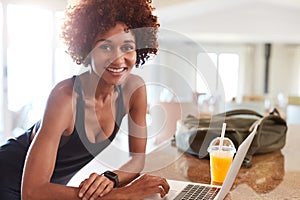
{"x":227,"y":145}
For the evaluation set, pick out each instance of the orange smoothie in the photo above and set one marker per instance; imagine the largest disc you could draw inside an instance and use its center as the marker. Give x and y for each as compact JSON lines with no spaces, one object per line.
{"x":220,"y":162}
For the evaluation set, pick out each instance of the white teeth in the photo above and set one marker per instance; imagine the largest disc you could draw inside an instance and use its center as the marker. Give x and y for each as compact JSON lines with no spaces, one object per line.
{"x":118,"y":70}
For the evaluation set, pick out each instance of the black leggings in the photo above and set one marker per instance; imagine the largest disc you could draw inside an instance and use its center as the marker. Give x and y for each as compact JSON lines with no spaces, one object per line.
{"x":8,"y":194}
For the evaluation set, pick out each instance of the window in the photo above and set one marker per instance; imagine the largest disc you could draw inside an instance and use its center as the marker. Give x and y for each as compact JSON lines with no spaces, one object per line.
{"x":29,"y":57}
{"x":1,"y":76}
{"x":36,"y":60}
{"x":227,"y":66}
{"x":206,"y":80}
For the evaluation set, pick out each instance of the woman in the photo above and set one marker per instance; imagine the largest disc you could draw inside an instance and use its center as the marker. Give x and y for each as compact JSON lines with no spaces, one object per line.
{"x":83,"y":113}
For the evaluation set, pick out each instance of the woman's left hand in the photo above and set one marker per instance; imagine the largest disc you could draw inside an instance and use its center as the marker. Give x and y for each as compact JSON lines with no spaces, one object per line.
{"x":95,"y":186}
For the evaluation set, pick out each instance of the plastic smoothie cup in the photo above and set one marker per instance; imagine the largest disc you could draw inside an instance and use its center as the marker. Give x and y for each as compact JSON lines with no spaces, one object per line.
{"x":221,"y":151}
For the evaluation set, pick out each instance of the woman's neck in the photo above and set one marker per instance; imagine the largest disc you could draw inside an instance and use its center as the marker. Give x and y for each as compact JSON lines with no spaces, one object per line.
{"x":96,"y":88}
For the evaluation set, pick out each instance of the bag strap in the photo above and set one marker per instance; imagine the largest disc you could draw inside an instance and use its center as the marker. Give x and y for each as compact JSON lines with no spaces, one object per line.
{"x":243,"y":112}
{"x":247,"y":162}
{"x":240,"y":112}
{"x":275,"y":112}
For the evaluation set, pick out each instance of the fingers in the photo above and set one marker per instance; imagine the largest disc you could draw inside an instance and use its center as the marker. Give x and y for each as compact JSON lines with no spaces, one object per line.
{"x":149,"y":185}
{"x":106,"y":190}
{"x":162,"y":186}
{"x":101,"y":186}
{"x":160,"y":190}
{"x":81,"y":184}
{"x":95,"y":186}
{"x":165,"y":187}
{"x":85,"y":185}
{"x":157,"y":181}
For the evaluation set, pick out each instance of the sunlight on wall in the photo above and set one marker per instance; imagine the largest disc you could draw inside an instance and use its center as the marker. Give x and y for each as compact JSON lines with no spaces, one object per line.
{"x":36,"y":60}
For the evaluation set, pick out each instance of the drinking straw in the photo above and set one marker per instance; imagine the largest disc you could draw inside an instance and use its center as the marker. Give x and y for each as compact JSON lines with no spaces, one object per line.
{"x":222,"y":136}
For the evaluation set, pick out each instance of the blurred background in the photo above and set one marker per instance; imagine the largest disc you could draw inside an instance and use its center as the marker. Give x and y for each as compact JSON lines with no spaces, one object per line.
{"x":251,"y":49}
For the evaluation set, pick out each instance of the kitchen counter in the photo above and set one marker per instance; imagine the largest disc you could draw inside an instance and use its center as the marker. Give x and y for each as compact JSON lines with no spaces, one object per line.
{"x":273,"y":176}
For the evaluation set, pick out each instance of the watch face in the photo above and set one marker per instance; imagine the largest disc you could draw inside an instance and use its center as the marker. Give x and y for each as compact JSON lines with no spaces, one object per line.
{"x":112,"y":176}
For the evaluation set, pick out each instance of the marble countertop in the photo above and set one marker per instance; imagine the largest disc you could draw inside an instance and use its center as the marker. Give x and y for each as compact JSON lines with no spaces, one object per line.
{"x":273,"y":176}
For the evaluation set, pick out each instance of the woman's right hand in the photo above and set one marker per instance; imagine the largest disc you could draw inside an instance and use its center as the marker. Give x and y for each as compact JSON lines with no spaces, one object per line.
{"x":142,"y":187}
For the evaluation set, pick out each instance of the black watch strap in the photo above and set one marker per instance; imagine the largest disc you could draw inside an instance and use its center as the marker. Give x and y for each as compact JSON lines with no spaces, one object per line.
{"x":113,"y":177}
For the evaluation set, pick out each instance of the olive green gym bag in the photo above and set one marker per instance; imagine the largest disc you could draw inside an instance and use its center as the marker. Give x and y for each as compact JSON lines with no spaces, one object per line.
{"x":197,"y":133}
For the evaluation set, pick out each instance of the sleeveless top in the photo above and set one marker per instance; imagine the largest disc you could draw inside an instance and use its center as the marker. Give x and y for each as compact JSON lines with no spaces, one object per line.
{"x":74,"y":151}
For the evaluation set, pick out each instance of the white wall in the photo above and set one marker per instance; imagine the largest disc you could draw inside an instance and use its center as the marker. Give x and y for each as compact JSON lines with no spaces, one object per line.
{"x":284,"y":70}
{"x":284,"y":74}
{"x":234,"y":20}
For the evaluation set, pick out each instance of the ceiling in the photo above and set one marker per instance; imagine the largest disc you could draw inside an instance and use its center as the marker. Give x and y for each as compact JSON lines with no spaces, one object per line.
{"x":52,"y":4}
{"x":232,"y":20}
{"x":220,"y":20}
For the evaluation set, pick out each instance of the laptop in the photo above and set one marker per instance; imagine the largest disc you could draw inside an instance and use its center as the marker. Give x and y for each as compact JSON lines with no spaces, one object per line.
{"x":180,"y":190}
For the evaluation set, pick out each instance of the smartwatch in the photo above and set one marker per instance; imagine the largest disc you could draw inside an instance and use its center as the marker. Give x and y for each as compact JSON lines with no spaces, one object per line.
{"x":113,"y":177}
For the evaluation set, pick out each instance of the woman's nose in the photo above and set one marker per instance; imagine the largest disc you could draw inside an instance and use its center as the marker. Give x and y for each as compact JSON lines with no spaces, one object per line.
{"x":118,"y":57}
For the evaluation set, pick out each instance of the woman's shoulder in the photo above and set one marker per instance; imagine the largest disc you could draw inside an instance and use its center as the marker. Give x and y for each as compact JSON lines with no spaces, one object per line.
{"x":63,"y":90}
{"x":134,"y":90}
{"x":133,"y":81}
{"x":60,"y":107}
{"x":65,"y":85}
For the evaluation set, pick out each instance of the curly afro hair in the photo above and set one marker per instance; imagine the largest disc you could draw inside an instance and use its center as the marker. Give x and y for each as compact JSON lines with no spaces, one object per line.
{"x":87,"y":18}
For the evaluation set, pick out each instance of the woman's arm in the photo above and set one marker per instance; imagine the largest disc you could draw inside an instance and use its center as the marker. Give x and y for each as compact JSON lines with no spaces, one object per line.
{"x":136,"y":101}
{"x":41,"y":157}
{"x":142,"y":187}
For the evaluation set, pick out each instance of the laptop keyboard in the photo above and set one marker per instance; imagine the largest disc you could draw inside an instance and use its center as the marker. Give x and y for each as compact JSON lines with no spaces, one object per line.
{"x":195,"y":192}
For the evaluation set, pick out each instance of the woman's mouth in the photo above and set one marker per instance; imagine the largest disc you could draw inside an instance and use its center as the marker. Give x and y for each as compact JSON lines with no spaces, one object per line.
{"x":116,"y":70}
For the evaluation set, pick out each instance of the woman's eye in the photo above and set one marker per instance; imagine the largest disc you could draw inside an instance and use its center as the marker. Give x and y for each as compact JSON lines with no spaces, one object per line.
{"x":105,"y":47}
{"x":128,"y":48}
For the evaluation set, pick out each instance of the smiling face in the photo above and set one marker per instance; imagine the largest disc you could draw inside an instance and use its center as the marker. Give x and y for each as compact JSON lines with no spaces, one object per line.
{"x":114,"y":55}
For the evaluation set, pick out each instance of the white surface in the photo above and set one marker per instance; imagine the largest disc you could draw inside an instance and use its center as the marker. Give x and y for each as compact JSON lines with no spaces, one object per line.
{"x":293,"y":114}
{"x":109,"y":159}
